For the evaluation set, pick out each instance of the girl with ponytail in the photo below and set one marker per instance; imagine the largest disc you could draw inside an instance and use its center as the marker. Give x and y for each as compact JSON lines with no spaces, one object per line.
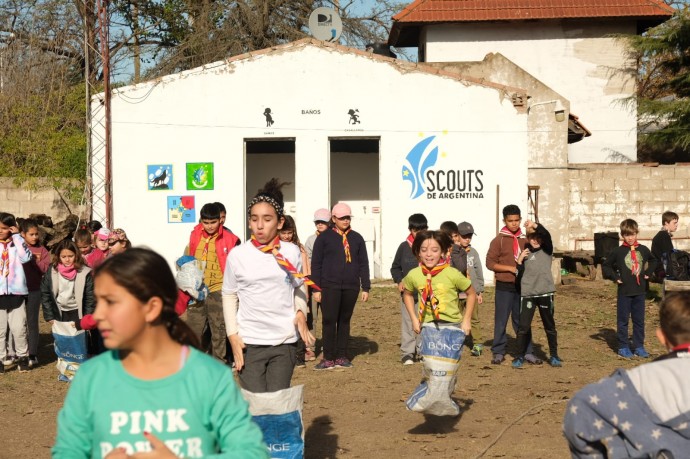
{"x":153,"y":391}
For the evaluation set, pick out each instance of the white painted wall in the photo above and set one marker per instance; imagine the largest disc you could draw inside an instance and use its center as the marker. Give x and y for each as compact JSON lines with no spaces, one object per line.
{"x":579,"y":60}
{"x":206,"y":114}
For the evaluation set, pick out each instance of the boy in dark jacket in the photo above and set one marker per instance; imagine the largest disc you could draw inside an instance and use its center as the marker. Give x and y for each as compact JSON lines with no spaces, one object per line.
{"x":630,"y":265}
{"x":662,"y":245}
{"x":403,"y":263}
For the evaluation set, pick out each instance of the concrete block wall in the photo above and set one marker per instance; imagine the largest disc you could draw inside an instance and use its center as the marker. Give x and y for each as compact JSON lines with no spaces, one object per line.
{"x":601,"y":195}
{"x":22,"y":201}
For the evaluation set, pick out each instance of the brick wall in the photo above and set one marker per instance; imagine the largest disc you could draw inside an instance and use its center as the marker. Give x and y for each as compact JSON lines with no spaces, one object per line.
{"x":601,"y":195}
{"x":22,"y":202}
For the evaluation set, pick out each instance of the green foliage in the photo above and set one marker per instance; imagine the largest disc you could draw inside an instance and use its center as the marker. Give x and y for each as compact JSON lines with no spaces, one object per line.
{"x":664,"y":90}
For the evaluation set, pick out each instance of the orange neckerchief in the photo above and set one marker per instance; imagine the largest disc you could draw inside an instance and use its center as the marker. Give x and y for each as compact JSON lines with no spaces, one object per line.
{"x":346,"y":245}
{"x":429,"y":301}
{"x":272,"y":248}
{"x":5,"y":259}
{"x":515,"y":236}
{"x":635,"y":267}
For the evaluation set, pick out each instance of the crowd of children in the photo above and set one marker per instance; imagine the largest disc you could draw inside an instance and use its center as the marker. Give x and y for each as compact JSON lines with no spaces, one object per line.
{"x":57,"y":282}
{"x":258,"y":307}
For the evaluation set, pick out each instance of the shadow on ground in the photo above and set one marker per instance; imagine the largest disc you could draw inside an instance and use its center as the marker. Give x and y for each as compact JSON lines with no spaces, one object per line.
{"x":608,"y":335}
{"x":320,"y":442}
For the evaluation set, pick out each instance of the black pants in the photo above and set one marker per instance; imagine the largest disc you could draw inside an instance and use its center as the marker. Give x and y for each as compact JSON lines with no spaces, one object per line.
{"x":268,"y":368}
{"x":337,"y":306}
{"x":524,"y":334}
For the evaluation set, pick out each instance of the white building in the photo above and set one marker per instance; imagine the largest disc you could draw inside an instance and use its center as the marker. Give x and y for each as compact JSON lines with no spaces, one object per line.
{"x":569,"y":46}
{"x":390,"y":138}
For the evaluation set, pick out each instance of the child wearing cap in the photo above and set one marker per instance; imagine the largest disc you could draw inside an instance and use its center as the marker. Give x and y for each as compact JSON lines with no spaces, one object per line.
{"x":340,"y":266}
{"x":118,"y":242}
{"x":100,"y":251}
{"x":322,"y":217}
{"x":537,"y":291}
{"x":475,"y":274}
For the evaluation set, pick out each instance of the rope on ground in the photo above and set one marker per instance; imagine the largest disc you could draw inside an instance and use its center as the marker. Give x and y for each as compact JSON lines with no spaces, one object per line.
{"x":505,"y":429}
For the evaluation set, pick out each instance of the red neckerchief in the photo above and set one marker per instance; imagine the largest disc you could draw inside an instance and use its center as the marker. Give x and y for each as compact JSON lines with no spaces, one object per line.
{"x":635,"y":263}
{"x":346,"y":245}
{"x":515,"y":236}
{"x":685,"y":347}
{"x":429,"y":301}
{"x":410,"y":239}
{"x":283,"y":262}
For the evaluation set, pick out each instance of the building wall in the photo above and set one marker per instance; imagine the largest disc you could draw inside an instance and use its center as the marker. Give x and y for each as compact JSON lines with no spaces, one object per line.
{"x":205,"y":115}
{"x":22,"y":202}
{"x":580,"y":60}
{"x":601,"y":196}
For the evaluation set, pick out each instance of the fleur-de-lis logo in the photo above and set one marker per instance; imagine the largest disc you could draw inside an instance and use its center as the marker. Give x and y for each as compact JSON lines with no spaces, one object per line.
{"x":419,"y":160}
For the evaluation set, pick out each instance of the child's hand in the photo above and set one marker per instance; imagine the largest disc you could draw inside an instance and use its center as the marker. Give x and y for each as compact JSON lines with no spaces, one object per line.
{"x":117,"y":453}
{"x":618,"y":281}
{"x":316,"y":296}
{"x":416,"y":326}
{"x":401,"y":287}
{"x":303,"y":329}
{"x":365,"y":296}
{"x":466,"y":326}
{"x":523,"y":255}
{"x":14,"y":230}
{"x":237,"y":345}
{"x":158,"y":449}
{"x":530,"y":224}
{"x":480,"y":298}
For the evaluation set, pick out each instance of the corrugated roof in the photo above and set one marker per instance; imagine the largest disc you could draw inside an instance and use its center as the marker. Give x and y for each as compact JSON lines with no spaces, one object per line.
{"x":421,"y":11}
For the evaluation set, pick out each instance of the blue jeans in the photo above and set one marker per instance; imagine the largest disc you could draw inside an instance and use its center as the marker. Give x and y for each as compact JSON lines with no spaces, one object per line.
{"x":507,"y":306}
{"x":629,"y":307}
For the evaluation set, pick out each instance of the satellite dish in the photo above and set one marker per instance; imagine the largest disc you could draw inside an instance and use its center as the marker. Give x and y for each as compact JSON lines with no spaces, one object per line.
{"x":325,"y":24}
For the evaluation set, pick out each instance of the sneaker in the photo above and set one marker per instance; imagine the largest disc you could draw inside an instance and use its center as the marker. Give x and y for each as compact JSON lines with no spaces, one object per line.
{"x":555,"y":362}
{"x":23,"y":365}
{"x":477,"y":350}
{"x":407,"y":359}
{"x":642,"y":352}
{"x":343,"y":362}
{"x":498,"y":359}
{"x":325,"y":365}
{"x":10,"y":360}
{"x":625,"y":353}
{"x":2,"y":368}
{"x":517,"y":363}
{"x":33,"y":361}
{"x":533,"y":360}
{"x":300,"y":364}
{"x":309,"y":356}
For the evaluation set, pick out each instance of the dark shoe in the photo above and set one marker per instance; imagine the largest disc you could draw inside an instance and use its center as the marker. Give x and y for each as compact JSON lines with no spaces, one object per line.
{"x":33,"y":361}
{"x":518,"y":363}
{"x":325,"y":365}
{"x":531,"y":359}
{"x":2,"y":368}
{"x":300,"y":364}
{"x":642,"y":353}
{"x":343,"y":362}
{"x":498,"y":359}
{"x":625,"y":353}
{"x":23,"y":364}
{"x":554,"y":361}
{"x":407,"y":359}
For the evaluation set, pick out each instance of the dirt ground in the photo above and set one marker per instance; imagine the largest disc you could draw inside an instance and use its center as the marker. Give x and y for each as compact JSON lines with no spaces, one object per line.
{"x":360,"y":412}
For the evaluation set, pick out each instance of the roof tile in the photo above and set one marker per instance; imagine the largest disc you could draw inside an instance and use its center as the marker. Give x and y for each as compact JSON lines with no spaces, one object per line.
{"x":506,"y":10}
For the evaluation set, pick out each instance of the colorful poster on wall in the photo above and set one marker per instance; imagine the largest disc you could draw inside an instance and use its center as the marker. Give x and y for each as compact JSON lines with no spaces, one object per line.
{"x":181,"y":209}
{"x":199,"y":176}
{"x":160,"y":176}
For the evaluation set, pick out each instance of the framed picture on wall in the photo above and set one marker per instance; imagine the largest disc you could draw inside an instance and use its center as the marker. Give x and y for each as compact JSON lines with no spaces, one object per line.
{"x":200,"y":176}
{"x":159,"y":177}
{"x":181,"y":209}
